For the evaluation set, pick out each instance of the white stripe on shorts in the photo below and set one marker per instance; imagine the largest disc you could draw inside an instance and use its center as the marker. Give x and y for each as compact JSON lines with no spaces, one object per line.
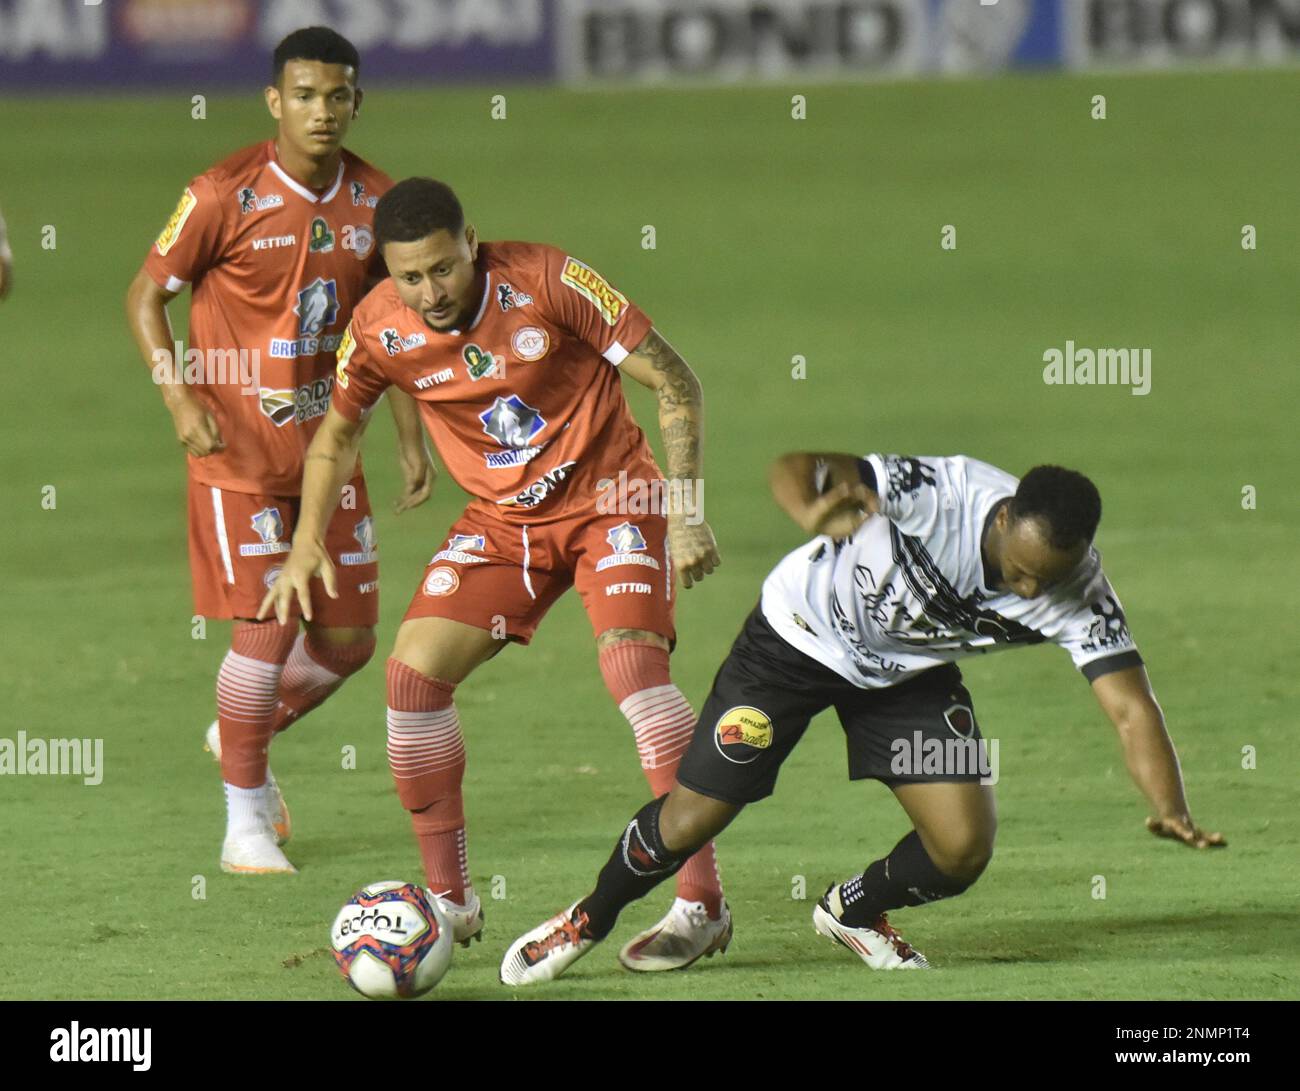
{"x":528,"y":583}
{"x":222,"y":540}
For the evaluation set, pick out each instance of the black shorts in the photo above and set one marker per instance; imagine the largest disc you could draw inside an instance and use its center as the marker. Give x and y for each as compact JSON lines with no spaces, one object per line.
{"x":766,"y":692}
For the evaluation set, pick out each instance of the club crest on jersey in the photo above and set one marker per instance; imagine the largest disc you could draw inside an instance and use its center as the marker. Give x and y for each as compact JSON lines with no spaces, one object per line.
{"x":512,"y":422}
{"x":960,"y":720}
{"x":742,"y":734}
{"x":458,"y":550}
{"x":394,"y":342}
{"x":359,"y":239}
{"x":172,"y":231}
{"x":508,"y":296}
{"x":479,"y":362}
{"x":364,"y":533}
{"x":317,"y":309}
{"x":249,"y":201}
{"x":321,"y":238}
{"x":441,"y":581}
{"x":361,"y":197}
{"x":583,"y":279}
{"x":530,"y":343}
{"x":269,"y":527}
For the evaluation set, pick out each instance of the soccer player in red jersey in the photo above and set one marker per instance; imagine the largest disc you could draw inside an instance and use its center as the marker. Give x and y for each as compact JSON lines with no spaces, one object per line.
{"x":278,"y":245}
{"x":512,"y":351}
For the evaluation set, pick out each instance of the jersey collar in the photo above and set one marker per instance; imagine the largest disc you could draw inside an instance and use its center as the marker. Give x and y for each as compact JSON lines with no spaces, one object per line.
{"x":302,"y":190}
{"x":487,"y":295}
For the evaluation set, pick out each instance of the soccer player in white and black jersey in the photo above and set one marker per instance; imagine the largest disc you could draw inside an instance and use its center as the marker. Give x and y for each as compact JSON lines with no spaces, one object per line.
{"x":914,"y":564}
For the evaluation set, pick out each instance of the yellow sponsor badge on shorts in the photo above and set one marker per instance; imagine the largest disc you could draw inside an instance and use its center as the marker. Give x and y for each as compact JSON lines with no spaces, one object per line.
{"x":172,"y":231}
{"x":344,"y":354}
{"x":583,"y":279}
{"x":741,"y":733}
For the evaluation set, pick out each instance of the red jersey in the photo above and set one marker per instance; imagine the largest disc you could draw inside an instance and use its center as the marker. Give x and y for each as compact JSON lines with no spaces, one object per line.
{"x":525,"y":405}
{"x":276,"y":270}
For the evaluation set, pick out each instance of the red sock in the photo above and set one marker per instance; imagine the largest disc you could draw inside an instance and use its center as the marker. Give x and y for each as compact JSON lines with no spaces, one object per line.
{"x":313,"y":671}
{"x":247,"y":684}
{"x":663,"y":723}
{"x":426,"y":754}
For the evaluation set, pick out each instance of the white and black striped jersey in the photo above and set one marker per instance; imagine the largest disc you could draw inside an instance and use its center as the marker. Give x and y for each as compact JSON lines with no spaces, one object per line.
{"x":908,"y":591}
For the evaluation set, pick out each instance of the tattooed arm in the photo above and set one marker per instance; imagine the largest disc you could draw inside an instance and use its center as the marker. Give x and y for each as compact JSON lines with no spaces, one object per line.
{"x":654,"y":363}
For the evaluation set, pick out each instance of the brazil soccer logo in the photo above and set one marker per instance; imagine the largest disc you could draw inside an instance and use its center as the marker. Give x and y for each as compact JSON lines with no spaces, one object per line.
{"x":318,"y":307}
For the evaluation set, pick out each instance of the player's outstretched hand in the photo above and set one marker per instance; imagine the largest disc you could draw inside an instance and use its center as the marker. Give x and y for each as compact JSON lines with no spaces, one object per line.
{"x":305,"y":562}
{"x":418,"y":476}
{"x":1182,"y":828}
{"x":840,"y":510}
{"x":196,"y":428}
{"x":694,"y":550}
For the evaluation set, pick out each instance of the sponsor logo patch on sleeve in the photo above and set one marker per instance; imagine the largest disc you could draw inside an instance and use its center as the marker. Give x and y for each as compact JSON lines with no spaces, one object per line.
{"x":344,"y":354}
{"x":583,"y":279}
{"x":172,"y":231}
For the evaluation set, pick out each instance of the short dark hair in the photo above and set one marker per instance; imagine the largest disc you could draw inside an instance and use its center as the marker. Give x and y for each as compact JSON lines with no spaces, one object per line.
{"x":1066,"y":502}
{"x":314,"y":44}
{"x":414,"y":209}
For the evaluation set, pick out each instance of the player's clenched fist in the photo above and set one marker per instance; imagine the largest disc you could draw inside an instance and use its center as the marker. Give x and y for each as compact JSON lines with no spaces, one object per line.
{"x":196,"y":428}
{"x":694,"y":550}
{"x":307,"y":561}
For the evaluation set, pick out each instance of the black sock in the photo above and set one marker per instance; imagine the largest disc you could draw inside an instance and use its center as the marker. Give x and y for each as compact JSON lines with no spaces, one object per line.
{"x":638,"y":864}
{"x":907,"y":876}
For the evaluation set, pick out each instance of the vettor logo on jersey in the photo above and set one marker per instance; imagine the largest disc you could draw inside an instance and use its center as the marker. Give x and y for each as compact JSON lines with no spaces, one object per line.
{"x":742,"y":733}
{"x":513,"y":423}
{"x":317,"y":310}
{"x":394,"y":342}
{"x":364,"y":533}
{"x":249,"y":201}
{"x":269,"y":527}
{"x":320,"y":240}
{"x":172,"y":231}
{"x":361,"y":198}
{"x":583,"y":279}
{"x":299,"y":404}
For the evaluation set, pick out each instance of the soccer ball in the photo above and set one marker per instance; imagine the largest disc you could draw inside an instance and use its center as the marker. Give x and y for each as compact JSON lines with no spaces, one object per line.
{"x":391,"y":941}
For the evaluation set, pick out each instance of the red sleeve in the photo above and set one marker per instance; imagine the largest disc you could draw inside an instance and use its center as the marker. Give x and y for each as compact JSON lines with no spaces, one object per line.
{"x":358,"y":380}
{"x":583,"y":302}
{"x":191,"y":242}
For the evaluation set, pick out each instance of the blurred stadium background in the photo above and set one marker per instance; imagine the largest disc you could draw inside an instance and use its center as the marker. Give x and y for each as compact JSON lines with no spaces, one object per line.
{"x":777,"y":239}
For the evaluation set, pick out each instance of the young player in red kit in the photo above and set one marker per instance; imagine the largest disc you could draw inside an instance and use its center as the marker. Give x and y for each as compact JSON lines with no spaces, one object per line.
{"x":512,"y":351}
{"x":278,"y":245}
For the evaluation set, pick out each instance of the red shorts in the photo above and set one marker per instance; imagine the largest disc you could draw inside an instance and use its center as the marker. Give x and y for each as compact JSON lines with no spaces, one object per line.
{"x":504,"y":576}
{"x":239,"y":542}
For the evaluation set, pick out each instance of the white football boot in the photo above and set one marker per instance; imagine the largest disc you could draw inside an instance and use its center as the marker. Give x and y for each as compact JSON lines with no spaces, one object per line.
{"x":466,"y":920}
{"x":548,"y":950}
{"x":254,"y":852}
{"x":277,"y":811}
{"x":684,"y":936}
{"x":879,"y":945}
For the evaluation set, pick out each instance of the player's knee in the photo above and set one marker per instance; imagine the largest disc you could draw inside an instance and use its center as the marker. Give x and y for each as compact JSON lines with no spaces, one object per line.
{"x":343,"y":651}
{"x":633,"y":663}
{"x":964,"y":857}
{"x":689,"y":821}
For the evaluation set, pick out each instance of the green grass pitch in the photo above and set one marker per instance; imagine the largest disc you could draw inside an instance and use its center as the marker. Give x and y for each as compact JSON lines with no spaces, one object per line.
{"x":775,"y":238}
